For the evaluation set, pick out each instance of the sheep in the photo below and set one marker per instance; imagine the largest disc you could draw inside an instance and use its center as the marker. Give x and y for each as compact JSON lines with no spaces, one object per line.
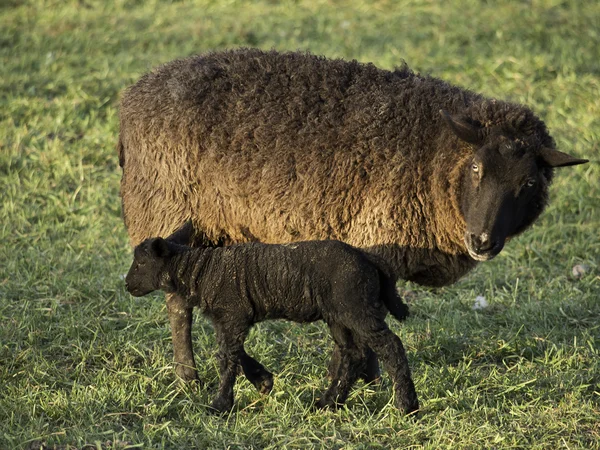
{"x":240,"y":285}
{"x":276,"y":147}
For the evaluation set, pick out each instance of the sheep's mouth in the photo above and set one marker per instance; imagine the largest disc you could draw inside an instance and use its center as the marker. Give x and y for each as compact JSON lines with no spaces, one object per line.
{"x":487,"y":254}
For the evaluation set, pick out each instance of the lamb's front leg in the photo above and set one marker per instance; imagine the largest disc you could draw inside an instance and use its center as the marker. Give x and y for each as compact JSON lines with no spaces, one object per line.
{"x":180,"y":318}
{"x":231,"y":350}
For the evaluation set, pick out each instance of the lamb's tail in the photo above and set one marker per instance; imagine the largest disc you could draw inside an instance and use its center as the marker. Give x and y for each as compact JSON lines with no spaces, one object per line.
{"x":387,"y":283}
{"x":391,"y":299}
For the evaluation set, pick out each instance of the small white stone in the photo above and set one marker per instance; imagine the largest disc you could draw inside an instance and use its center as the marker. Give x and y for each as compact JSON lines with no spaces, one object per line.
{"x":579,"y":270}
{"x":480,"y":303}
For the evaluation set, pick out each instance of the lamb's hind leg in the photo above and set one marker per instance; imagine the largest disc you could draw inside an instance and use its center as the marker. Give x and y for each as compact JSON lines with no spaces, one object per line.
{"x":371,"y":372}
{"x":349,"y":364}
{"x":390,"y":350}
{"x":180,"y":318}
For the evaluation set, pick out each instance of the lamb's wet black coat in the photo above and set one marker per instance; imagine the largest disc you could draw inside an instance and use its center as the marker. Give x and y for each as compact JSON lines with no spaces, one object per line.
{"x":240,"y":285}
{"x":271,"y":281}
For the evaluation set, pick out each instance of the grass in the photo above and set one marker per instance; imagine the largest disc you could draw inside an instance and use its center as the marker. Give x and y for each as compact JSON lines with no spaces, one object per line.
{"x":82,"y":362}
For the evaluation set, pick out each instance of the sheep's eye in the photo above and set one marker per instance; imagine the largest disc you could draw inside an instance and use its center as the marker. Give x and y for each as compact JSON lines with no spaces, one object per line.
{"x":475,"y":167}
{"x":530,"y":182}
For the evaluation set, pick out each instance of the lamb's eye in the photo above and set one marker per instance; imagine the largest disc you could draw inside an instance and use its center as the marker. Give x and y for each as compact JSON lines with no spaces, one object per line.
{"x":530,"y":182}
{"x":475,"y":167}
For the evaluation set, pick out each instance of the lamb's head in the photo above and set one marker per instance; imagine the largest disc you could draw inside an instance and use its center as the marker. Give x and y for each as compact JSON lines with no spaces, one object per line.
{"x":504,"y":185}
{"x":148,"y":272}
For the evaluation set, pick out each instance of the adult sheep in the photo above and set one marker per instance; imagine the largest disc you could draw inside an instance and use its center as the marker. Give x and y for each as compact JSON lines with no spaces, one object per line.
{"x":281,"y":147}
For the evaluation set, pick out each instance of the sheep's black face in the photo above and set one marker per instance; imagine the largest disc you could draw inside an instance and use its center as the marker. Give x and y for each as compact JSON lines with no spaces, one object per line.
{"x":148,"y":271}
{"x":504,"y":191}
{"x":504,"y":186}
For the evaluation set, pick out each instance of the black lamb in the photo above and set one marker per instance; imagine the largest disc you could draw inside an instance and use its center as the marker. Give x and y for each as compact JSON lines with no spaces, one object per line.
{"x":238,"y":286}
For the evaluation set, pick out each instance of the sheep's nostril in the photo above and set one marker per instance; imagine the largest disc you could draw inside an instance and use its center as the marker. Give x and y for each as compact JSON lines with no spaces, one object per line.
{"x":482,"y":243}
{"x":487,"y":245}
{"x":475,"y":242}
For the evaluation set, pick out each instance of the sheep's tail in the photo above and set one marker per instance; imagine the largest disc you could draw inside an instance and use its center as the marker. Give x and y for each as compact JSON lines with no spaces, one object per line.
{"x":121,"y":152}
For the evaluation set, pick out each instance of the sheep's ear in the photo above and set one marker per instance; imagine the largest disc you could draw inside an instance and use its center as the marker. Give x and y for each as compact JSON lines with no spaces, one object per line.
{"x":159,"y":248}
{"x":554,"y":158}
{"x":464,"y":130}
{"x":183,"y":235}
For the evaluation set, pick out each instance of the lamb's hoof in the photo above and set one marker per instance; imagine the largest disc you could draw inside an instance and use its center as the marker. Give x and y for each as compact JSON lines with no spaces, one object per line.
{"x":327,"y":403}
{"x":220,"y":406}
{"x":265,"y":384}
{"x":410,"y":407}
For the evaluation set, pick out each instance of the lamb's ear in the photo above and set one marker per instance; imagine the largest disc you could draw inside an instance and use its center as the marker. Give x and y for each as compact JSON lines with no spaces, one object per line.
{"x":554,"y":158}
{"x":464,"y":130}
{"x":159,"y":248}
{"x":183,"y":235}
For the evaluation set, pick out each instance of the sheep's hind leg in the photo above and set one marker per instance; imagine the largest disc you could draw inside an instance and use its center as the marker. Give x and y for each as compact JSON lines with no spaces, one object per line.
{"x":349,"y":363}
{"x":180,"y":318}
{"x":255,"y":372}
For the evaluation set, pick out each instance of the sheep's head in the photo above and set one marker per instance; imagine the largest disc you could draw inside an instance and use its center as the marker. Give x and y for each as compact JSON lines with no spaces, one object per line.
{"x":504,"y":185}
{"x":148,"y":272}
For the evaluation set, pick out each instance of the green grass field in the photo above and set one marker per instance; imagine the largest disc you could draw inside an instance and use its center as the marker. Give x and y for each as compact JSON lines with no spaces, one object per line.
{"x":84,"y":363}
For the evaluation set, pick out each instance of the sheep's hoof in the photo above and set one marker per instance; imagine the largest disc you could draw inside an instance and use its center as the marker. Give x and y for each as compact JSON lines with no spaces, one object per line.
{"x":220,"y":406}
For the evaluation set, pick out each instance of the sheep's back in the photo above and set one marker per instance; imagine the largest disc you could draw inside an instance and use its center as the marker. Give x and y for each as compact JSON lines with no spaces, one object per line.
{"x":280,"y":147}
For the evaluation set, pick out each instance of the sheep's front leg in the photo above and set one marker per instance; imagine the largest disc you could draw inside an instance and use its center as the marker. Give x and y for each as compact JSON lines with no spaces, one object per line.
{"x":231,"y":351}
{"x":180,"y":318}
